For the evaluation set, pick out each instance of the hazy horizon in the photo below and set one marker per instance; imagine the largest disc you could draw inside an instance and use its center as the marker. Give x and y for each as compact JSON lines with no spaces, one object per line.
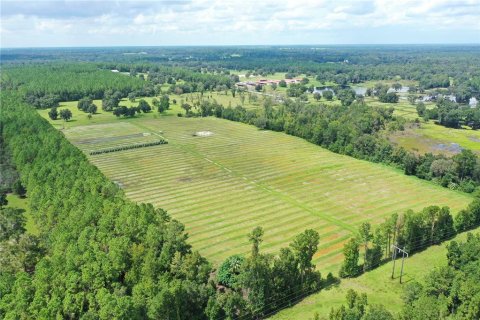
{"x":251,"y":45}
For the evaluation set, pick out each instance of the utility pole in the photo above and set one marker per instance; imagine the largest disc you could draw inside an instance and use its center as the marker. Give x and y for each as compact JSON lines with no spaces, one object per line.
{"x":394,"y":256}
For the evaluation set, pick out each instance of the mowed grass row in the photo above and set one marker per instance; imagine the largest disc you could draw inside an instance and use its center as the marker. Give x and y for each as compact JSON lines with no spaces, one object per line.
{"x":223,"y":185}
{"x":101,"y":136}
{"x":280,"y":168}
{"x":218,"y":210}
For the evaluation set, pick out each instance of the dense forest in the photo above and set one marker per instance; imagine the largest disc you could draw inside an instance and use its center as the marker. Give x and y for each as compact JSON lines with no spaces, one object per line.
{"x":98,"y":255}
{"x":67,"y":81}
{"x":63,"y":82}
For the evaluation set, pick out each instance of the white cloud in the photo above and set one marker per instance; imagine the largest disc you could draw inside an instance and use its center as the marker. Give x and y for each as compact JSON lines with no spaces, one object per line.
{"x":205,"y":20}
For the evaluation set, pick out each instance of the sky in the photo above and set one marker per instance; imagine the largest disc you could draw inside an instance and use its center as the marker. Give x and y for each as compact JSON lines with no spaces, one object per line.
{"x":243,"y":22}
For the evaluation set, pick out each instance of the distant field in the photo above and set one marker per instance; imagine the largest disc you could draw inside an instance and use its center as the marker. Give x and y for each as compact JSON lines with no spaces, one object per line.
{"x":403,"y":108}
{"x":224,"y":184}
{"x":377,"y":284}
{"x":429,"y":137}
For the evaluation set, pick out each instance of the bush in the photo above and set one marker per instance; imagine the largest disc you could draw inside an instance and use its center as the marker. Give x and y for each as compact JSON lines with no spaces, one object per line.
{"x":467,"y":186}
{"x":229,"y":271}
{"x":260,"y":123}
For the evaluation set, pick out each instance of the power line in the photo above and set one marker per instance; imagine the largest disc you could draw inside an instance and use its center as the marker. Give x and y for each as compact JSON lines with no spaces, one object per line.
{"x":296,"y":296}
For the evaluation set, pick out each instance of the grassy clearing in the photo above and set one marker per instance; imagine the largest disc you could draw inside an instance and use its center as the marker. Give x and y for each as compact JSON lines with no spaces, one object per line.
{"x":378,"y":285}
{"x":15,"y":201}
{"x":80,"y":118}
{"x":429,"y":137}
{"x":223,"y":185}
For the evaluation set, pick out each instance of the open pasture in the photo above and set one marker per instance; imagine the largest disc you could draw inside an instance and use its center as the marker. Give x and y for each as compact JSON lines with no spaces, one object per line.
{"x":223,"y":184}
{"x":429,"y":137}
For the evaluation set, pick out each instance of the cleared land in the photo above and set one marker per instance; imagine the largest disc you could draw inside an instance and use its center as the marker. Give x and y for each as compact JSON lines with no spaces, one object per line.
{"x":378,"y":285}
{"x":224,"y":184}
{"x":429,"y":137}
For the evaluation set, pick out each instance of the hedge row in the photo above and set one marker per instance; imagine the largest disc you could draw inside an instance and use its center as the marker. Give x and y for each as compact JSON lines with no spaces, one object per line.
{"x":132,"y":146}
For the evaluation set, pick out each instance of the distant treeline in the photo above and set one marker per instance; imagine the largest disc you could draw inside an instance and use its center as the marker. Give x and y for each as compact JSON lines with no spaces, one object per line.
{"x":63,"y":82}
{"x":189,"y":79}
{"x":433,"y":66}
{"x":46,"y":85}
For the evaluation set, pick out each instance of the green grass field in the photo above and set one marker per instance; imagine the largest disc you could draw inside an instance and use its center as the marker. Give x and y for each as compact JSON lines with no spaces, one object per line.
{"x":429,"y":137}
{"x":377,"y":284}
{"x":81,"y":118}
{"x":223,"y":185}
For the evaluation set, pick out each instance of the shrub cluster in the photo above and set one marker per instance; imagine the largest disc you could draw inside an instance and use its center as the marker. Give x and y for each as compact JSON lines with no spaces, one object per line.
{"x":128,"y":147}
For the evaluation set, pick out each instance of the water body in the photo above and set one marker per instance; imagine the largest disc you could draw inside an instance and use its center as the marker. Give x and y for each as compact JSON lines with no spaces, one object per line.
{"x":452,"y":147}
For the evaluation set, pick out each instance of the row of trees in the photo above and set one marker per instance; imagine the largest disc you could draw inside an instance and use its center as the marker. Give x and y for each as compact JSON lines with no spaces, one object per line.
{"x":413,"y":231}
{"x":128,"y":147}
